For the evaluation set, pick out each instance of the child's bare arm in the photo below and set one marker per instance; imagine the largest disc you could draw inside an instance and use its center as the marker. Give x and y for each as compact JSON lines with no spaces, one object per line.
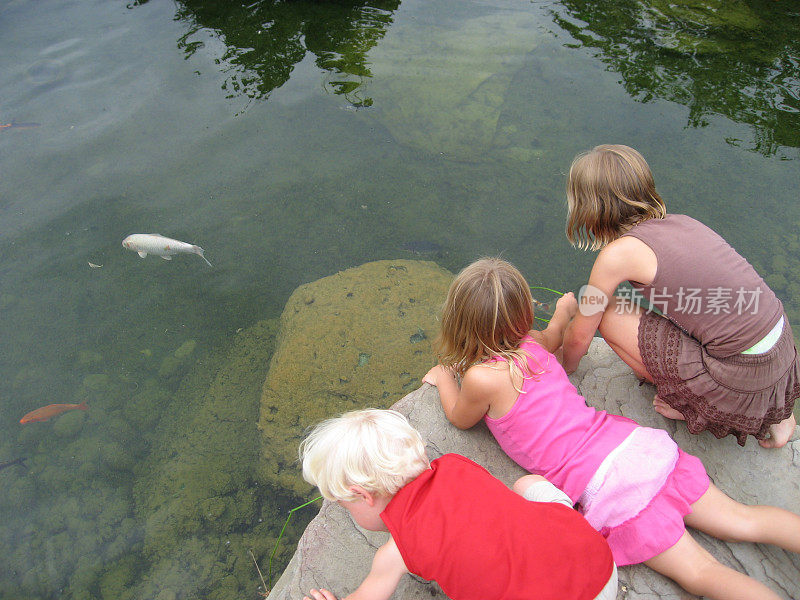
{"x":603,"y":280}
{"x":387,"y":569}
{"x":464,"y":406}
{"x":552,"y":336}
{"x":624,"y":259}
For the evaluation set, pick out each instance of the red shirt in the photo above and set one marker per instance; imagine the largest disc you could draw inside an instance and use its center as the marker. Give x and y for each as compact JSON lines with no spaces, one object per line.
{"x":462,"y":527}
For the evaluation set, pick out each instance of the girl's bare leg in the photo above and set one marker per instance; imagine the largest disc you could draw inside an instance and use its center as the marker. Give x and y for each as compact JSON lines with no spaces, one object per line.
{"x":693,"y":568}
{"x":721,"y":516}
{"x":620,"y":329}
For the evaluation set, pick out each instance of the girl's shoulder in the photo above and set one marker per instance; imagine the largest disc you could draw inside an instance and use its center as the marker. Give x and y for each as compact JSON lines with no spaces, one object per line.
{"x":626,"y":258}
{"x":485,"y":373}
{"x":486,"y":379}
{"x":621,"y":248}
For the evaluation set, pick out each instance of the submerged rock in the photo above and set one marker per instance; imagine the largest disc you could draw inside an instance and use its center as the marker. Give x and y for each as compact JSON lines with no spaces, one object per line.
{"x":176,"y":364}
{"x":198,"y":507}
{"x":69,"y":424}
{"x":335,"y":554}
{"x":186,"y":349}
{"x":88,"y":359}
{"x":359,"y":338}
{"x":442,"y":90}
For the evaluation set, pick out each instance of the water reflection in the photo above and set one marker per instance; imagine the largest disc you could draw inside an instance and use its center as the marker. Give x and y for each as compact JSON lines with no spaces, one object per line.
{"x":739,"y":59}
{"x":257,"y":45}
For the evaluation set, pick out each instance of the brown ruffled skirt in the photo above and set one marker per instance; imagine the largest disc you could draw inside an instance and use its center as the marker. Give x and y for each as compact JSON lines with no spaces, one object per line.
{"x":739,"y":395}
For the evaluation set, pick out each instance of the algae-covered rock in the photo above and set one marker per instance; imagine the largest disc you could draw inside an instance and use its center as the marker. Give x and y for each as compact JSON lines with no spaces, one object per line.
{"x":69,"y":424}
{"x":176,"y":364}
{"x":144,"y":407}
{"x":88,"y":359}
{"x":96,"y":381}
{"x":359,"y":338}
{"x":7,"y":300}
{"x":115,"y":582}
{"x":186,"y":349}
{"x":200,"y":507}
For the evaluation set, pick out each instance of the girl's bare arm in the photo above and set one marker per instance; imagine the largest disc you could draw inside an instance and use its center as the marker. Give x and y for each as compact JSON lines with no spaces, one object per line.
{"x":464,"y":406}
{"x":624,"y":259}
{"x":552,"y":336}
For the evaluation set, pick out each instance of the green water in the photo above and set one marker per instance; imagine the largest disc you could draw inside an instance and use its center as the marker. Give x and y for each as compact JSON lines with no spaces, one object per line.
{"x":290,"y":141}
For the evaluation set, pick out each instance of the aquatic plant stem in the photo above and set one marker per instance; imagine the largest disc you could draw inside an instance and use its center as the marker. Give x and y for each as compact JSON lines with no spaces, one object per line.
{"x":546,"y":289}
{"x":264,"y":583}
{"x":280,"y":535}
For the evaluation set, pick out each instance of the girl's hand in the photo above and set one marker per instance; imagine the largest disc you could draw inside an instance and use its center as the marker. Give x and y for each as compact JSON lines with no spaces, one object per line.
{"x":568,"y":305}
{"x":552,"y":336}
{"x":433,"y":375}
{"x":320,"y":595}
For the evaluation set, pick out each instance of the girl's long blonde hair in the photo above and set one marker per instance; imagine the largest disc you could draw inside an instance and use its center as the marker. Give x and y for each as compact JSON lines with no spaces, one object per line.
{"x":609,"y":190}
{"x":488,"y":312}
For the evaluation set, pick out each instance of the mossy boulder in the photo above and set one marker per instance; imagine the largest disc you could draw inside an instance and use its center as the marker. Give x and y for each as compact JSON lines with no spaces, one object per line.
{"x":359,"y":338}
{"x":96,"y":382}
{"x":88,"y":359}
{"x":186,"y":349}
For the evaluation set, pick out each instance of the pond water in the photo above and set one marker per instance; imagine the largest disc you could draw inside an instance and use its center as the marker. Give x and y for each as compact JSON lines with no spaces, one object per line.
{"x":292,"y":140}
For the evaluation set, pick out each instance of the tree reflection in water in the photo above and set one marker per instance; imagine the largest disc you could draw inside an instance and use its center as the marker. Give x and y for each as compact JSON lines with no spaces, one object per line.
{"x":736,"y":58}
{"x":259,"y":43}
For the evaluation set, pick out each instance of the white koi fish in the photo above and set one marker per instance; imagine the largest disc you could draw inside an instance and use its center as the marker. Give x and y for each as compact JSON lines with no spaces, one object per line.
{"x":157,"y":244}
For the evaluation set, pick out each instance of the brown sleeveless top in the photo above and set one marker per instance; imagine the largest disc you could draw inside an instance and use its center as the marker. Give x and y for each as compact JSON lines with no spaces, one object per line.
{"x":705,"y":287}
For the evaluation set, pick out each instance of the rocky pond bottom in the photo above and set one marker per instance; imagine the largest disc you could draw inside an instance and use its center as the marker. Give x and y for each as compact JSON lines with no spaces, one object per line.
{"x":181,"y":473}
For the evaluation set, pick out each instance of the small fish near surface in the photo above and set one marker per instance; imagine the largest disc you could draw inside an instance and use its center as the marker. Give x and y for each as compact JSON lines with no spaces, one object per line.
{"x":157,"y":244}
{"x":14,"y":125}
{"x":17,"y":461}
{"x":51,"y":410}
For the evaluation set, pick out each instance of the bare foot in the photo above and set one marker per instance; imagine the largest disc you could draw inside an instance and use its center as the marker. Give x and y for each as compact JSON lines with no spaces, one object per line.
{"x":779,"y":434}
{"x":665,"y":410}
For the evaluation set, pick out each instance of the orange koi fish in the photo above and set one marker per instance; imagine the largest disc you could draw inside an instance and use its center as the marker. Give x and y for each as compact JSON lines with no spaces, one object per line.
{"x":51,"y":410}
{"x":14,"y":125}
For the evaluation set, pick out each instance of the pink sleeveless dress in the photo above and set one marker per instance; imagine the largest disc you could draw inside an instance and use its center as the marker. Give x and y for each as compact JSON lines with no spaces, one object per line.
{"x":632,"y":483}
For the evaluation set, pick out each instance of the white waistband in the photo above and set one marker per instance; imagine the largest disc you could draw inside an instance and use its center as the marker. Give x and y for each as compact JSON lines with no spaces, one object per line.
{"x":768,"y":341}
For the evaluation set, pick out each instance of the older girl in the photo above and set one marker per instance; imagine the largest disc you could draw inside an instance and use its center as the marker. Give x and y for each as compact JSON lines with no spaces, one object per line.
{"x":721,"y":353}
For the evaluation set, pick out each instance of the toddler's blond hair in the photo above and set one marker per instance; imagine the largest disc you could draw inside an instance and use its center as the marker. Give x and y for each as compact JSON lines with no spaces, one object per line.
{"x":375,"y":449}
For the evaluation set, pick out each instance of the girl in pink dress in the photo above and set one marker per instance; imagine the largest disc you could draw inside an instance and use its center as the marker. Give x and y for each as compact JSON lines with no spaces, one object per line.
{"x":632,"y":483}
